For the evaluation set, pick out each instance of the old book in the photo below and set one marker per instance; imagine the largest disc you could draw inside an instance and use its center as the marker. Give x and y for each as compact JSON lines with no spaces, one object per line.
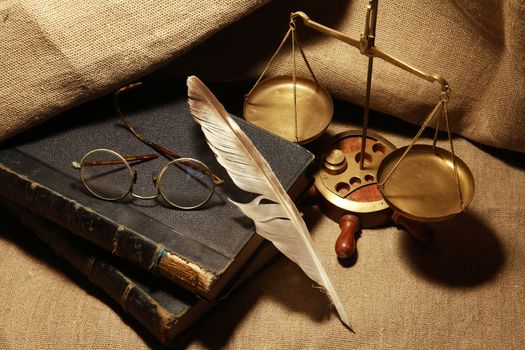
{"x":164,"y":309}
{"x":202,"y":250}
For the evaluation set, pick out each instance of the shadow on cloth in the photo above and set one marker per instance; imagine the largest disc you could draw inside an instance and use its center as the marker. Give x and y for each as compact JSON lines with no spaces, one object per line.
{"x":512,"y":158}
{"x":293,"y":291}
{"x":17,"y":234}
{"x":259,"y":35}
{"x":465,"y":252}
{"x":280,"y":281}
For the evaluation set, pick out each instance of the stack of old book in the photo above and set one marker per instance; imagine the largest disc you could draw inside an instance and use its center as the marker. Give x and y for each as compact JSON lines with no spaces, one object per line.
{"x":164,"y":266}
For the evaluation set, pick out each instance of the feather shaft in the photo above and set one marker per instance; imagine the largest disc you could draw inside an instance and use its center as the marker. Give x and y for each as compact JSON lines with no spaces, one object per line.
{"x":279,"y":220}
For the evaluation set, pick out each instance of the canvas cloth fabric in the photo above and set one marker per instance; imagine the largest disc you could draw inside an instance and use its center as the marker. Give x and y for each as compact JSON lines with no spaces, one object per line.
{"x":466,"y":291}
{"x":56,"y":54}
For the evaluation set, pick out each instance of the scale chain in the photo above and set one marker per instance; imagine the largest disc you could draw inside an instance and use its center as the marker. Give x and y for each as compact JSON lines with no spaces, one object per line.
{"x":437,"y":126}
{"x":286,"y":36}
{"x":454,"y":164}
{"x":418,"y":135}
{"x":294,"y":80}
{"x":295,"y":43}
{"x":443,"y":106}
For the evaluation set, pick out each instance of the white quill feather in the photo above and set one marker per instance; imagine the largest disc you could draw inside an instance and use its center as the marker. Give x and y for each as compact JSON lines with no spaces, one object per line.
{"x":280,"y":221}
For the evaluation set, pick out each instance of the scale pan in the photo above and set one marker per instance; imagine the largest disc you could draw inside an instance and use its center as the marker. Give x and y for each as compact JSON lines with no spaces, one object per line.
{"x":424,"y":186}
{"x":271,"y":106}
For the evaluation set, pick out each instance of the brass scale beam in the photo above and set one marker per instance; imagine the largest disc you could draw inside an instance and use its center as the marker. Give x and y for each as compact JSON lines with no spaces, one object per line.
{"x":366,"y":45}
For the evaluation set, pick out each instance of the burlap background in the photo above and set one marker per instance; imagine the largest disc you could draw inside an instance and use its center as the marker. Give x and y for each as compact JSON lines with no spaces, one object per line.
{"x":55,"y":54}
{"x":466,"y":291}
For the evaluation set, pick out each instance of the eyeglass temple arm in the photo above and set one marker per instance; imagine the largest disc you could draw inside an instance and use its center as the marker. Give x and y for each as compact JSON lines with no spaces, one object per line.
{"x":216,"y":180}
{"x":140,"y":158}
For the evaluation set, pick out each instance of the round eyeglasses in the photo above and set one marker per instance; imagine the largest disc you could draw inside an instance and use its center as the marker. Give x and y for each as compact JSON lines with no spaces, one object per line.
{"x":183,"y":183}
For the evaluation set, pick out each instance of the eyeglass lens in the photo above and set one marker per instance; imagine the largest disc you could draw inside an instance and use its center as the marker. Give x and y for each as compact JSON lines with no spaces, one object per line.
{"x":106,"y":174}
{"x":181,"y":183}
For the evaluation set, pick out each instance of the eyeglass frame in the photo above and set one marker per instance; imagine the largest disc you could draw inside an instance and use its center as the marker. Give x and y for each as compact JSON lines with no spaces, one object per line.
{"x":164,"y":151}
{"x":133,"y":176}
{"x":216,"y":180}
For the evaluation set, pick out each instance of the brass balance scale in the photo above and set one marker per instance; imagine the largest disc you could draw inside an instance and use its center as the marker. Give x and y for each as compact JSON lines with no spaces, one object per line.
{"x":363,"y":180}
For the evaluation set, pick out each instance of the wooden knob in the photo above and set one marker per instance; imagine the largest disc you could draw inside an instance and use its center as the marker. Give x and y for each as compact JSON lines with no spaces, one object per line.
{"x":422,"y":233}
{"x":345,"y":244}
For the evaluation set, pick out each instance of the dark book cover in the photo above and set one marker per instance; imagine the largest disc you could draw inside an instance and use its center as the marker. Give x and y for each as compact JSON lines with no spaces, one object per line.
{"x":203,"y":250}
{"x":164,"y":309}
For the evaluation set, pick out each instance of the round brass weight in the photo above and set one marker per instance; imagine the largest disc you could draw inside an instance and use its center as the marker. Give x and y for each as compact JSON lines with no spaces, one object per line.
{"x":424,"y":186}
{"x":271,"y":106}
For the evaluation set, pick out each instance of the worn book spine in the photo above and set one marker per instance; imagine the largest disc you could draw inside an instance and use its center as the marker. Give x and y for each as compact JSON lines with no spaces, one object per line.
{"x":135,"y":300}
{"x":108,"y":234}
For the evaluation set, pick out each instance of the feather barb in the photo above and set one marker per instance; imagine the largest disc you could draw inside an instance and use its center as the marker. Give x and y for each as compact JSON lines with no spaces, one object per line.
{"x":275,"y":215}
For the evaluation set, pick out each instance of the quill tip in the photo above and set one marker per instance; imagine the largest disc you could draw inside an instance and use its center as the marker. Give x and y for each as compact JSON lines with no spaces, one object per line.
{"x":349,"y":327}
{"x":346,"y":323}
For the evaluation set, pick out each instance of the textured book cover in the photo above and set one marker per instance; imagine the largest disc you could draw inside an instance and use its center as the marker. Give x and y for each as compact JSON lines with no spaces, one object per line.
{"x":203,"y":250}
